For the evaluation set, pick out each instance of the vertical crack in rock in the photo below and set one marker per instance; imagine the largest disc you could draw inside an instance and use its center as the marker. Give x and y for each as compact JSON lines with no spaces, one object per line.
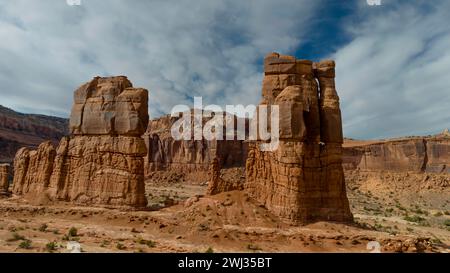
{"x":425,"y":157}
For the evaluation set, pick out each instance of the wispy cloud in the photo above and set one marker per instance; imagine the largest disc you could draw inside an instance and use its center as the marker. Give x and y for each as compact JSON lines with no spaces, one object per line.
{"x":176,"y":49}
{"x":393,"y":75}
{"x":393,"y":61}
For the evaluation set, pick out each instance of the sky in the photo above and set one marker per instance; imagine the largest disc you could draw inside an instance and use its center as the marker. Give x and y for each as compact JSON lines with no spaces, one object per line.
{"x":393,"y":59}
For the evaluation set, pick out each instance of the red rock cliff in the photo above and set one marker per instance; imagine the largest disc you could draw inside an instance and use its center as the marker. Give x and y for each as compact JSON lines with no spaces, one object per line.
{"x":416,"y":154}
{"x":190,"y":156}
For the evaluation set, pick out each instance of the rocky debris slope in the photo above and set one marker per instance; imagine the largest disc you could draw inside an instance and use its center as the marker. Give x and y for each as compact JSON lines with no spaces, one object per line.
{"x":191,"y":157}
{"x":303,"y":180}
{"x":415,"y":154}
{"x":26,"y":130}
{"x":102,"y":162}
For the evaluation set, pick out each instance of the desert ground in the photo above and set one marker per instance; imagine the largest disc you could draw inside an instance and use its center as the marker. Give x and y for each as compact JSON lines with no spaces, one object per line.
{"x":389,"y":209}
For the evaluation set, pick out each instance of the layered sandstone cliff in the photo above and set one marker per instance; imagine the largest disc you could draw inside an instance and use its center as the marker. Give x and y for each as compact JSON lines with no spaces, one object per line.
{"x":416,"y":154}
{"x":19,"y":130}
{"x":102,"y":161}
{"x":303,"y":180}
{"x":188,"y":156}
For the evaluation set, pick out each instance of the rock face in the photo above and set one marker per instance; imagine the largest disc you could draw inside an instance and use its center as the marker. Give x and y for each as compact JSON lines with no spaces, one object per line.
{"x":32,"y":169}
{"x":303,"y":180}
{"x":19,"y":130}
{"x":188,"y":156}
{"x":102,"y":162}
{"x":217,"y":184}
{"x":109,"y":106}
{"x":4,"y":181}
{"x":416,"y":154}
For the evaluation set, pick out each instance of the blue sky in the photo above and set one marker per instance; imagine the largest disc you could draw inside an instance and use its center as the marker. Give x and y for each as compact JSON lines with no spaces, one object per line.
{"x":393,"y":60}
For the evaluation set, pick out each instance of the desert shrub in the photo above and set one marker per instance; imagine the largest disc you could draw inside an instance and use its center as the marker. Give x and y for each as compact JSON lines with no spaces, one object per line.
{"x":120,"y":246}
{"x":52,"y":246}
{"x":414,"y":219}
{"x":148,"y":243}
{"x":73,"y":232}
{"x":26,"y":244}
{"x":43,"y":228}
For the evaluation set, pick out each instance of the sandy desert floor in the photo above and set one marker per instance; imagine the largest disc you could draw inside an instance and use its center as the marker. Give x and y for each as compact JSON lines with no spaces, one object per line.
{"x":399,"y":217}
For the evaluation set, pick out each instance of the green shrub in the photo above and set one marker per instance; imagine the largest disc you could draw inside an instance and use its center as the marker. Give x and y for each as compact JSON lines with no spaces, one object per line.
{"x":415,"y":219}
{"x":120,"y":246}
{"x":73,"y":232}
{"x":148,"y":243}
{"x":26,"y":244}
{"x":52,"y":246}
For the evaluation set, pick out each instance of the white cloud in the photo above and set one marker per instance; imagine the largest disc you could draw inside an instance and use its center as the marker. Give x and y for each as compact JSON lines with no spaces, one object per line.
{"x":176,"y":49}
{"x":393,"y":75}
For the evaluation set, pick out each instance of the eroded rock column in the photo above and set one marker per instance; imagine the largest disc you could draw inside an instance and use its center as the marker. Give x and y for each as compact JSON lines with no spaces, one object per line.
{"x":4,"y":181}
{"x":102,"y":161}
{"x":302,"y":181}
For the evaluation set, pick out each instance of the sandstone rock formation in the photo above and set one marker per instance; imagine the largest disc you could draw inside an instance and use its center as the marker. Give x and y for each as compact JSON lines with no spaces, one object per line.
{"x":4,"y":179}
{"x":303,"y":180}
{"x":188,"y":156}
{"x":102,"y":162}
{"x":32,"y":169}
{"x":217,"y":184}
{"x":415,"y":154}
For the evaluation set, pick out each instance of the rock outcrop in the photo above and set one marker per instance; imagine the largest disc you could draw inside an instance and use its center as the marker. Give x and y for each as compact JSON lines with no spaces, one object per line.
{"x":303,"y":180}
{"x":188,"y":156}
{"x":102,"y":162}
{"x":33,"y":168}
{"x":4,"y":179}
{"x":216,"y":183}
{"x":416,"y":154}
